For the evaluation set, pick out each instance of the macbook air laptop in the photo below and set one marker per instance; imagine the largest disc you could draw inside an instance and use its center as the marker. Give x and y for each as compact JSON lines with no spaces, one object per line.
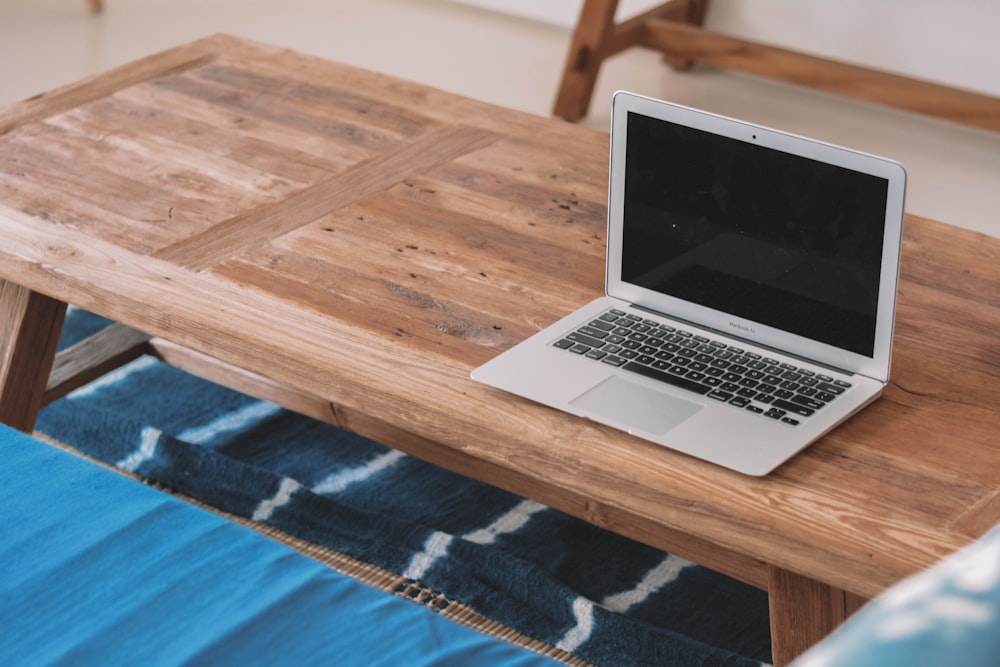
{"x":750,"y":290}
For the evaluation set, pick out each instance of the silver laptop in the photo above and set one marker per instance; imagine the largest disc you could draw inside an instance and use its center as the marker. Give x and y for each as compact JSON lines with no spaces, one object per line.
{"x":751,"y":288}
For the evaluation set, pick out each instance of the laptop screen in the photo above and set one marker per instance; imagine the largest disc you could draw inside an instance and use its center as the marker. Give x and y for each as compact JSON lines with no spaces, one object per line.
{"x":767,"y":236}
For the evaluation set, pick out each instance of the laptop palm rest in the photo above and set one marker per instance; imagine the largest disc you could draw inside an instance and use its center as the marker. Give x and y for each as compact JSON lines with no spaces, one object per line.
{"x":635,"y":405}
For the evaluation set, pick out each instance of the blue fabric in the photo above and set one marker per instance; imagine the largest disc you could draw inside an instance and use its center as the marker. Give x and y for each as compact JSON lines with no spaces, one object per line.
{"x":608,"y":600}
{"x":946,"y":615}
{"x":98,"y":569}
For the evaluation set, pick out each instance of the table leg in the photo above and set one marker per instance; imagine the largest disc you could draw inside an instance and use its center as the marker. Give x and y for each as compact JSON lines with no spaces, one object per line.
{"x":803,"y":611}
{"x":30,"y":324}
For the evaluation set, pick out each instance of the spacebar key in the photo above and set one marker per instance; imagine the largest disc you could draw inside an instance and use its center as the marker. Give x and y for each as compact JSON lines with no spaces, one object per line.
{"x":668,"y":378}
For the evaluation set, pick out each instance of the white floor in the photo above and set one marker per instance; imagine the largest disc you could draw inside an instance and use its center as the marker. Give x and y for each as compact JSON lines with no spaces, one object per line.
{"x":954,"y":171}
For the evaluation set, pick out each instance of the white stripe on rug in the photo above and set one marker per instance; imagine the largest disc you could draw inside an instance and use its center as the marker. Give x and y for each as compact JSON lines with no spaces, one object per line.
{"x":508,"y":523}
{"x":583,"y":610}
{"x":658,"y":577}
{"x":148,"y":440}
{"x":229,"y":422}
{"x":338,"y":481}
{"x":438,"y":543}
{"x":284,"y":494}
{"x":435,"y":547}
{"x":114,"y":376}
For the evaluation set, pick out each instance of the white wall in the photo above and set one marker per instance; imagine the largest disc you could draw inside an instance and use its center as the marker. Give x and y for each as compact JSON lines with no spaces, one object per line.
{"x":949,"y":41}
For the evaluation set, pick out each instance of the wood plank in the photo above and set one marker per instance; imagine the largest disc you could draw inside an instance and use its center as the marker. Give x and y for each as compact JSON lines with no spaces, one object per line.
{"x":202,"y":250}
{"x":100,"y":85}
{"x":86,"y":361}
{"x":30,"y":324}
{"x":682,"y":41}
{"x":235,"y":378}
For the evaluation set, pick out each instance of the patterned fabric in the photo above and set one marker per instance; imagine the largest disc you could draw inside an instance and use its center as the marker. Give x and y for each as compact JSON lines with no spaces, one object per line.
{"x":605,"y":599}
{"x":948,"y":614}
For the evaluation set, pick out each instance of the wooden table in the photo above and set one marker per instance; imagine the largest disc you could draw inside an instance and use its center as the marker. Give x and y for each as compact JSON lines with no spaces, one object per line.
{"x":351,"y":246}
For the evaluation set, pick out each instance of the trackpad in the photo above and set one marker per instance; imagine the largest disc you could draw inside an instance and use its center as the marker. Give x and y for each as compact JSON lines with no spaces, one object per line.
{"x":638,"y":406}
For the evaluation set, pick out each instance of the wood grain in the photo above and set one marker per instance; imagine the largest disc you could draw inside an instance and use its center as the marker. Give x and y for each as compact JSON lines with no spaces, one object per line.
{"x":352,"y":246}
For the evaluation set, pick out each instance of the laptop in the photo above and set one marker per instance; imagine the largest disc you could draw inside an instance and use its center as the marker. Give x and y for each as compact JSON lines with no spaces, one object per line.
{"x":750,"y":290}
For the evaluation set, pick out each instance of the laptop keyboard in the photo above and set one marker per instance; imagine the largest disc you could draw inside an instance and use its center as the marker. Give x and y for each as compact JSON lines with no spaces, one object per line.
{"x":726,"y":373}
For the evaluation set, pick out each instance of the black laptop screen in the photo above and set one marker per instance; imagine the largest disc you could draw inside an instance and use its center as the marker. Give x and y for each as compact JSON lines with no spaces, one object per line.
{"x":757,"y":233}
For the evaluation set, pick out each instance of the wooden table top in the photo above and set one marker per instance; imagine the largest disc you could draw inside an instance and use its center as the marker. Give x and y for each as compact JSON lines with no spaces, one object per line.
{"x":369,"y":241}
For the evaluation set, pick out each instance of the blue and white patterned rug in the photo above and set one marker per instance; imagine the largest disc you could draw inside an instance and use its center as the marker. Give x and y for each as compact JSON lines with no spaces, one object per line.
{"x":603,"y":598}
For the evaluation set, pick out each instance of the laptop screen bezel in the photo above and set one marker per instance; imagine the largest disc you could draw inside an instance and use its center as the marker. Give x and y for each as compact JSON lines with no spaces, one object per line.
{"x":876,"y":366}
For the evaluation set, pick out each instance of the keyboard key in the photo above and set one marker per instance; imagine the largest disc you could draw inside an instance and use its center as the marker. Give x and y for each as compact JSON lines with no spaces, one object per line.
{"x":720,"y":395}
{"x":670,"y":379}
{"x":807,"y":401}
{"x":795,"y":408}
{"x":578,"y":337}
{"x":591,"y":331}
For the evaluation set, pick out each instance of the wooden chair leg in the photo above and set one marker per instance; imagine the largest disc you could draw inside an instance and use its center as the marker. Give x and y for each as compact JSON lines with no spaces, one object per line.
{"x":597,"y":37}
{"x":96,"y":6}
{"x":583,"y":62}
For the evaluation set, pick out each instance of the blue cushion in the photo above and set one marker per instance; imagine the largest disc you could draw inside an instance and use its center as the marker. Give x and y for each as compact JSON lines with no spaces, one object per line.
{"x":100,"y":569}
{"x":947,"y":614}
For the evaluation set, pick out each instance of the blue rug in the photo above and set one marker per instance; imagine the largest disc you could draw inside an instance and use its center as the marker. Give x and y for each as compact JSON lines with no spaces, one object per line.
{"x":603,"y":598}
